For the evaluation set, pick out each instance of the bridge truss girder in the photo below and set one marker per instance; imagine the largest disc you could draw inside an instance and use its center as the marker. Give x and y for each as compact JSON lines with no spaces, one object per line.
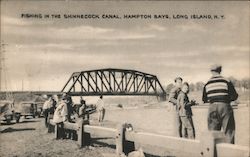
{"x":113,"y":82}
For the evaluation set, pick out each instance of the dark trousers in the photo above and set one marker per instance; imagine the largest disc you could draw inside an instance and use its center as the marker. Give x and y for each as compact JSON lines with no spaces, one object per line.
{"x":179,"y":125}
{"x":220,"y":115}
{"x":60,"y":131}
{"x":46,"y":115}
{"x":101,"y":115}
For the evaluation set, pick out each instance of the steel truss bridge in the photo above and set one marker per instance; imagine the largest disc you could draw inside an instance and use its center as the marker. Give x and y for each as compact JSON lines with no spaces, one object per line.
{"x":113,"y":82}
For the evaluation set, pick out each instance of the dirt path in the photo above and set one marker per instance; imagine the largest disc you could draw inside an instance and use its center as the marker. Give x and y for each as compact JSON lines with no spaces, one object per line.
{"x":30,"y":138}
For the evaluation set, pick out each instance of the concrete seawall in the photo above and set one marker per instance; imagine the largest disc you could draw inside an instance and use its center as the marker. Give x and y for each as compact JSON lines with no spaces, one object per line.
{"x":162,"y":120}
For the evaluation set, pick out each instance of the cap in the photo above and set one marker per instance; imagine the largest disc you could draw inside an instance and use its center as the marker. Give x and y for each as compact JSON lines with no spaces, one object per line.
{"x":82,"y":101}
{"x":177,"y":78}
{"x":65,"y":96}
{"x":216,"y":67}
{"x":55,"y":97}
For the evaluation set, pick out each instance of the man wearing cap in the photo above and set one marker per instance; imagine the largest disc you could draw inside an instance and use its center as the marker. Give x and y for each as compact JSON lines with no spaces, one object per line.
{"x":46,"y":109}
{"x":173,"y":99}
{"x":219,"y":92}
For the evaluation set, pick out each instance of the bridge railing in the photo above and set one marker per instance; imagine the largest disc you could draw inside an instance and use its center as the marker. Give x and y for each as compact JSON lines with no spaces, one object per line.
{"x":211,"y":143}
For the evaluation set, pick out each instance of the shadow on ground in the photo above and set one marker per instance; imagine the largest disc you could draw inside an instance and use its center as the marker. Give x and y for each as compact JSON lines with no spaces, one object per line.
{"x":4,"y":123}
{"x":24,"y":121}
{"x":9,"y":130}
{"x":29,"y":121}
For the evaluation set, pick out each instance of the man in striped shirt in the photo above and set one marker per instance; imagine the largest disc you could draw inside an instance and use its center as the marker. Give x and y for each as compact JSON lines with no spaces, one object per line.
{"x":219,"y":92}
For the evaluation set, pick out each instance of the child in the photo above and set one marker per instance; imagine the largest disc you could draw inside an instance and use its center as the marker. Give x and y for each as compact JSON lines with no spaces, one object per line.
{"x":185,"y":111}
{"x":82,"y":110}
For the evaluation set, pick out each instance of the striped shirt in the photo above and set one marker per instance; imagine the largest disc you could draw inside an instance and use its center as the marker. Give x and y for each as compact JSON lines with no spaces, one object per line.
{"x":219,"y":89}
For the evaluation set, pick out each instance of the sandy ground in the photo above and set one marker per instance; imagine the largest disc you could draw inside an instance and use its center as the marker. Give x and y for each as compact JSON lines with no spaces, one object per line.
{"x":30,"y":137}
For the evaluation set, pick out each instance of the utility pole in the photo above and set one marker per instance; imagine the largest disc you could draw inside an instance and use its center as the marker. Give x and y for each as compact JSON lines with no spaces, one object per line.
{"x":2,"y":51}
{"x":3,"y":72}
{"x":22,"y":84}
{"x":1,"y":66}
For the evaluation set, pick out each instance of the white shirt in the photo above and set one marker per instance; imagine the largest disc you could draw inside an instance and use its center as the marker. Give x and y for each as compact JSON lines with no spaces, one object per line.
{"x":100,"y":104}
{"x":47,"y":104}
{"x":60,"y":113}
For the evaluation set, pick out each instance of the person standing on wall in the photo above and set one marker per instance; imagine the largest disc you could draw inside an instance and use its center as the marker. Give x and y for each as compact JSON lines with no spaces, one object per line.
{"x":219,"y":92}
{"x":100,"y":109}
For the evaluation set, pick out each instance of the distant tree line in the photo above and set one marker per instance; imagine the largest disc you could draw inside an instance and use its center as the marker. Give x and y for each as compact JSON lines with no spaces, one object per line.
{"x":242,"y":85}
{"x":22,"y":96}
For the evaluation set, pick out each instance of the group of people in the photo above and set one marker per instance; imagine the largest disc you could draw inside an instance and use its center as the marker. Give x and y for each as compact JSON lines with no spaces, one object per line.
{"x":179,"y":97}
{"x":65,"y":110}
{"x":219,"y":92}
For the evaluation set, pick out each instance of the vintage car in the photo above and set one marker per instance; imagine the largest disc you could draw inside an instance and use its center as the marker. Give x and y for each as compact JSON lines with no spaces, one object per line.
{"x":7,"y":112}
{"x":26,"y":109}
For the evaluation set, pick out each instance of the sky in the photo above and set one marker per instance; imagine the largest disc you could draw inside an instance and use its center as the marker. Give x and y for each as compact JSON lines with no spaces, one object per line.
{"x":41,"y":54}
